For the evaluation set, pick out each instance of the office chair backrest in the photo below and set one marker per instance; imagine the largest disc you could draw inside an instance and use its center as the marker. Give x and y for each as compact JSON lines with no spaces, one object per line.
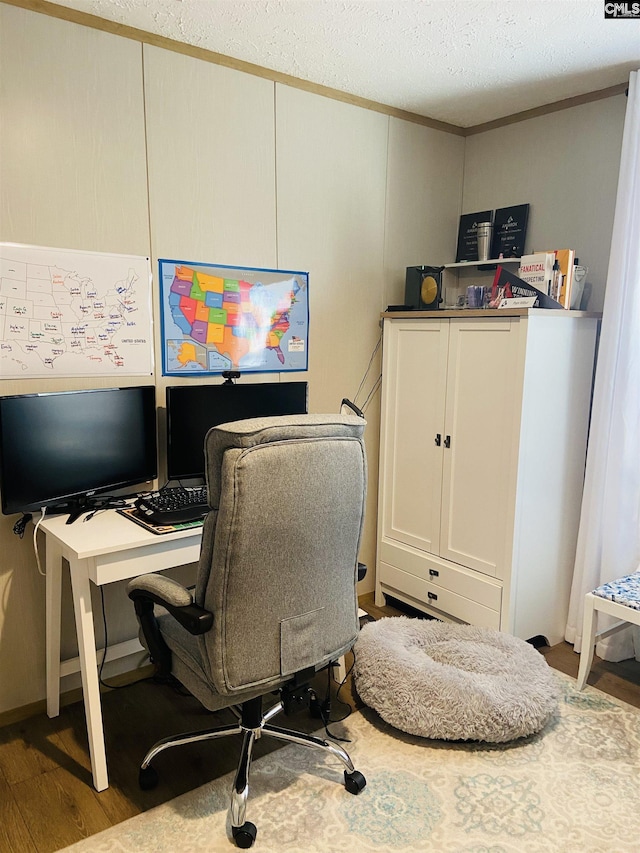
{"x":280,"y":547}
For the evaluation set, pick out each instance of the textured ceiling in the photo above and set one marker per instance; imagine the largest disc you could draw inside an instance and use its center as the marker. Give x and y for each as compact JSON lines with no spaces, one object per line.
{"x":464,"y":62}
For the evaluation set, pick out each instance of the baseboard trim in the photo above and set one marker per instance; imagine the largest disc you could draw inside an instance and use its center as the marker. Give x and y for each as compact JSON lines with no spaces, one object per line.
{"x":70,"y":697}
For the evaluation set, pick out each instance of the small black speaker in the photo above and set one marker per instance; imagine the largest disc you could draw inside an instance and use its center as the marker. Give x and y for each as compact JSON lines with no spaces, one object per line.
{"x":423,"y":287}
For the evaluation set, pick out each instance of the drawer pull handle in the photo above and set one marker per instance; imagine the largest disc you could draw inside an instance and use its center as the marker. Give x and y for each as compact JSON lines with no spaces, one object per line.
{"x":432,"y":596}
{"x":434,"y":573}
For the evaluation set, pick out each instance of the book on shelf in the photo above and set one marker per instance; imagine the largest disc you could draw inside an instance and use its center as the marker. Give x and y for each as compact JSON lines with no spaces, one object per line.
{"x":565,"y":258}
{"x":537,"y":269}
{"x":508,"y":286}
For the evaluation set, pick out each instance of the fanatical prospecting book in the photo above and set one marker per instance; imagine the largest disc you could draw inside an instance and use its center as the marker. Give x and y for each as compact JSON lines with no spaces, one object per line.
{"x":537,"y":270}
{"x":506,"y":285}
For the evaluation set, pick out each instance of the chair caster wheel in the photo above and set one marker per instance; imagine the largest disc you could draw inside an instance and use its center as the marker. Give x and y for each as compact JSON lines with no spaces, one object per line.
{"x":147,"y":778}
{"x":354,"y":782}
{"x":244,"y":835}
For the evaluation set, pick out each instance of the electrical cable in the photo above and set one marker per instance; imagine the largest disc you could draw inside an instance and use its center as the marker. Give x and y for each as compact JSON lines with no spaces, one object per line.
{"x":104,"y":654}
{"x":376,"y":385}
{"x":21,"y":524}
{"x":324,"y":708}
{"x":373,"y":354}
{"x":43,"y":511}
{"x":106,"y":643}
{"x":93,"y":505}
{"x":341,"y":701}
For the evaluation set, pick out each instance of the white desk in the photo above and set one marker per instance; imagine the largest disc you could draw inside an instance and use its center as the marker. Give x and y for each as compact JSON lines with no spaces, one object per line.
{"x":105,"y":549}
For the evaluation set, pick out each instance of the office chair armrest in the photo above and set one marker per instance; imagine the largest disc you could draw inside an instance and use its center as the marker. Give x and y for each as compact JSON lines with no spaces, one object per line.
{"x":175,"y":598}
{"x":146,"y":591}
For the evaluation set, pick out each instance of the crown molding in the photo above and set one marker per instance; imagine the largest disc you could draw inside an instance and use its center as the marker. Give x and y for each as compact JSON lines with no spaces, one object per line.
{"x":553,"y":107}
{"x":94,"y":22}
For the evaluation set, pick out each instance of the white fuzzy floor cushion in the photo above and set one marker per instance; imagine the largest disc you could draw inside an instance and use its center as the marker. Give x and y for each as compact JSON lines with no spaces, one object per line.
{"x":453,"y":682}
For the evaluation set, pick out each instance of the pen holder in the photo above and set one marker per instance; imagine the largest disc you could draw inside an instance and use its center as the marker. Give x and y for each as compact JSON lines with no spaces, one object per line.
{"x":475,"y":296}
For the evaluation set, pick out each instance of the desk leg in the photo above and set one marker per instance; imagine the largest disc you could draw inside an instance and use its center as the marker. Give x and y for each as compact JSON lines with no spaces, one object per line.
{"x":52,"y":617}
{"x":89,"y":668}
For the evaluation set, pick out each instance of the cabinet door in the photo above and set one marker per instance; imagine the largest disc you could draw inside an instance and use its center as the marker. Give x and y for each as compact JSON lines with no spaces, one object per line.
{"x":414,"y":370}
{"x":481,"y":420}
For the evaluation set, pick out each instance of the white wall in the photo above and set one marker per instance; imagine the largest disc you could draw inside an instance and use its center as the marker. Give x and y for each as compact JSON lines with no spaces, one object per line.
{"x":423,"y":177}
{"x":240,"y":170}
{"x":73,"y":138}
{"x":565,"y":165}
{"x":73,"y":175}
{"x":331,"y":167}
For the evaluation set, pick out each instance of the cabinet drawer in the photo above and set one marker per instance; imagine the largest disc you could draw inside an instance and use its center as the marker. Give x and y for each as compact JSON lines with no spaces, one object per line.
{"x":441,"y":573}
{"x":437,"y":598}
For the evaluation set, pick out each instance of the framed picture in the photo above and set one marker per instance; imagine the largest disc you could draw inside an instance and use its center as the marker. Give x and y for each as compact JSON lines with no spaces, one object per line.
{"x":217,"y":318}
{"x":509,"y":231}
{"x":467,"y":234}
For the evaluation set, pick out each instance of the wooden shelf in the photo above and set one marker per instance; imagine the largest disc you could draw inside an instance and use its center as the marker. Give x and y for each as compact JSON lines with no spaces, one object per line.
{"x":491,"y":261}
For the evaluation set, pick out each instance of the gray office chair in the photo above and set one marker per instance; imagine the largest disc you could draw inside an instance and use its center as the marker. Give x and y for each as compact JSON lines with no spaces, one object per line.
{"x":275,"y":596}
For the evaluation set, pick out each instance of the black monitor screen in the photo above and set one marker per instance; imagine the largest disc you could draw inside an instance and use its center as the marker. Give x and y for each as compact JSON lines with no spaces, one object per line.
{"x":192,"y":410}
{"x":73,"y":443}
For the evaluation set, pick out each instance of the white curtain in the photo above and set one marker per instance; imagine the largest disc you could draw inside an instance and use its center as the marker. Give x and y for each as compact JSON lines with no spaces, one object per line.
{"x":609,"y":534}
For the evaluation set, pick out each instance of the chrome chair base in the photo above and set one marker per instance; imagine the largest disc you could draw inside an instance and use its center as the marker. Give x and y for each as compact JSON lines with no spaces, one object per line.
{"x":244,"y":832}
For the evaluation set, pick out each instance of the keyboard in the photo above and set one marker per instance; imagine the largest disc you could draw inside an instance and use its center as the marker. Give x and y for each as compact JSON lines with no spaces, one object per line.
{"x":173,"y":505}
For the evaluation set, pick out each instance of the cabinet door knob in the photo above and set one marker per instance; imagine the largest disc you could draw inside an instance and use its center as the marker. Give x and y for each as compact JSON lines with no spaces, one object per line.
{"x":438,"y":439}
{"x":447,"y":441}
{"x":432,"y":596}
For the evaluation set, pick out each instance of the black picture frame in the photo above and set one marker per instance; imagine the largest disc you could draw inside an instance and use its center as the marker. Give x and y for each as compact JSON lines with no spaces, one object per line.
{"x":467,"y":249}
{"x":510,"y":231}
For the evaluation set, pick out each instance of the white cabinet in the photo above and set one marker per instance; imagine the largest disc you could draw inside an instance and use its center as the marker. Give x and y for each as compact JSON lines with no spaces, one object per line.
{"x":483,"y":440}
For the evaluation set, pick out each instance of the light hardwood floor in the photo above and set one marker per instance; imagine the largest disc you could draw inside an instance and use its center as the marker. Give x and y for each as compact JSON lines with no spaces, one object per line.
{"x":46,"y":798}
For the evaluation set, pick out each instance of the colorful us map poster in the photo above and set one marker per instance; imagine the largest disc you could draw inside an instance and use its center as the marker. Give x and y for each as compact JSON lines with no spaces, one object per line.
{"x":65,"y":312}
{"x":217,"y":318}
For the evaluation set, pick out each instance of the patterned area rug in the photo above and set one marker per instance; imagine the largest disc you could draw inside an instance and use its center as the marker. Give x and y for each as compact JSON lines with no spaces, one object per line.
{"x":572,"y":788}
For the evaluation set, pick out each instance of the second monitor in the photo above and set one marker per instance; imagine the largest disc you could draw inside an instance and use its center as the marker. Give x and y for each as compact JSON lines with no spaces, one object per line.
{"x":193,"y":409}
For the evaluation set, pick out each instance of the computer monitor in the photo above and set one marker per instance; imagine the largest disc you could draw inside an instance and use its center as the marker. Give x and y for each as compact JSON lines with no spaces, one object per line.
{"x":62,"y":447}
{"x":193,"y":409}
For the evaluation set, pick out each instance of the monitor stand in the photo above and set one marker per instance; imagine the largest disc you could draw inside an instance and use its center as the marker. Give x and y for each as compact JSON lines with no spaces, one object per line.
{"x":74,"y":508}
{"x":79,"y":510}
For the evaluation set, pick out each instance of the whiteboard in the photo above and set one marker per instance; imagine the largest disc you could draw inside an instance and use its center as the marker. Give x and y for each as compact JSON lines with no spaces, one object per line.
{"x":65,"y":312}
